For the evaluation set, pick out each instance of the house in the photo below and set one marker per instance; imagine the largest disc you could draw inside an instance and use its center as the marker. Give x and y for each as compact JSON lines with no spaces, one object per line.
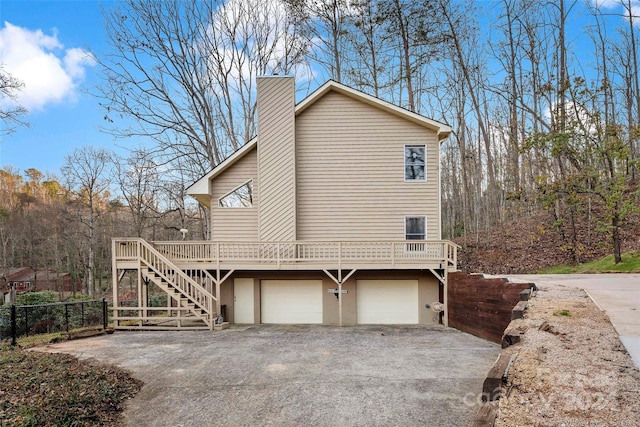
{"x":26,"y":279}
{"x":8,"y":282}
{"x":330,"y":215}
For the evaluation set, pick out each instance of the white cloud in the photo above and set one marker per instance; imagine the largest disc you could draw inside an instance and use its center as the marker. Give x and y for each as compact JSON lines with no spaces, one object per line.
{"x":635,"y":12}
{"x":621,"y":7}
{"x":76,"y":60}
{"x":266,"y":21}
{"x":49,"y":72}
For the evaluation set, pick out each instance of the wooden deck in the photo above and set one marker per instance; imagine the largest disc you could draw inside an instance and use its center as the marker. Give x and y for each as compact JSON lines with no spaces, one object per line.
{"x":298,"y":255}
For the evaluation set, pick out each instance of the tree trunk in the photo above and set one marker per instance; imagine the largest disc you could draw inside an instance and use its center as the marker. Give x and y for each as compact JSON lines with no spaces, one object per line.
{"x":405,"y":54}
{"x":616,"y":240}
{"x":472,"y":88}
{"x":90,"y":284}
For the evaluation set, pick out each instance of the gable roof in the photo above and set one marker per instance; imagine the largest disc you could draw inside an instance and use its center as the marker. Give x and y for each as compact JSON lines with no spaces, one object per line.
{"x":443,"y":131}
{"x":26,"y":274}
{"x":200,"y":189}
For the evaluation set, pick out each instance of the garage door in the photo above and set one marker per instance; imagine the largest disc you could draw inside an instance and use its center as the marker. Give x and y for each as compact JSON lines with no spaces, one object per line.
{"x":387,"y":302}
{"x":291,"y":301}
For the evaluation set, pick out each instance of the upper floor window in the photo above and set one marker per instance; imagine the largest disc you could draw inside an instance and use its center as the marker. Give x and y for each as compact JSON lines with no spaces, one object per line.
{"x":414,"y":163}
{"x":241,"y":197}
{"x":415,"y":228}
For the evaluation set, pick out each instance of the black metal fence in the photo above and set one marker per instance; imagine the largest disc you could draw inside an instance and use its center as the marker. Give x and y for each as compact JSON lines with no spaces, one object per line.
{"x":18,"y":321}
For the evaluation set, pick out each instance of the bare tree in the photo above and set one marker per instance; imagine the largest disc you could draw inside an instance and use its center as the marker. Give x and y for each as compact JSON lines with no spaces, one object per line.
{"x":182,"y":72}
{"x":629,"y":66}
{"x":418,"y":40}
{"x":325,"y":25}
{"x":87,"y":177}
{"x":372,"y":57}
{"x":464,"y":55}
{"x":138,"y":180}
{"x":10,"y":111}
{"x":509,"y":56}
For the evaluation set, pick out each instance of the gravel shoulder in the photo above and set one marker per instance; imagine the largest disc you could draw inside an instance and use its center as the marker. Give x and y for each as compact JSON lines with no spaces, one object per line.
{"x":617,"y":294}
{"x":570,"y":367}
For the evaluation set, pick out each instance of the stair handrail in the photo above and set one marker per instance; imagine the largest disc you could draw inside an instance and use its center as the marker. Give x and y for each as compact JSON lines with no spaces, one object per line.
{"x":184,"y":278}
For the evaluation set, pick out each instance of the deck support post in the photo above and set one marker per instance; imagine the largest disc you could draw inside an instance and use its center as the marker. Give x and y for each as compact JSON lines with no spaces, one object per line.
{"x":217,"y":281}
{"x":443,"y":279}
{"x":115,"y":282}
{"x":145,"y":298}
{"x":339,"y":281}
{"x":340,"y":297}
{"x":140,"y":296}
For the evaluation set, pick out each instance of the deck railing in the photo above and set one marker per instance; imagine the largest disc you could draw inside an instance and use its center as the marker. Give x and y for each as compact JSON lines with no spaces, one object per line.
{"x":414,"y":252}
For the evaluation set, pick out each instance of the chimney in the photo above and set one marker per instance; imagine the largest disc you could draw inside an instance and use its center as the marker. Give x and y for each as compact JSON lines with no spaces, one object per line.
{"x":276,"y":158}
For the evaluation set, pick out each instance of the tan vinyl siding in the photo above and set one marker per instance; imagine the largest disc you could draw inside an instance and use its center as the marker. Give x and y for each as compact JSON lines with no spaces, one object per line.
{"x":276,"y":158}
{"x":350,"y":173}
{"x":235,"y":223}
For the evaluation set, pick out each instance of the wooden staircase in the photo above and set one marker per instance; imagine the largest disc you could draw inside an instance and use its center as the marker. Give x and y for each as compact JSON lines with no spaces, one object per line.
{"x":194,"y":306}
{"x":197,"y":308}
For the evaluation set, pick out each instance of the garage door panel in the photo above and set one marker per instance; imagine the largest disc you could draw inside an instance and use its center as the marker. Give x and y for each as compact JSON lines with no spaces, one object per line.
{"x":387,"y":302}
{"x":291,"y":301}
{"x":243,"y":311}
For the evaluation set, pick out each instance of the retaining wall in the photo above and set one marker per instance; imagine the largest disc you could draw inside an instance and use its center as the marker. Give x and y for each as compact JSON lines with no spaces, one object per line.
{"x":482,"y":306}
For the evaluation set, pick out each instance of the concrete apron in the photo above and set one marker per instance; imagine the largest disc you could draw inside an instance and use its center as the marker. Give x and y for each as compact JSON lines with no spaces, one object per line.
{"x":299,"y":375}
{"x":617,"y":294}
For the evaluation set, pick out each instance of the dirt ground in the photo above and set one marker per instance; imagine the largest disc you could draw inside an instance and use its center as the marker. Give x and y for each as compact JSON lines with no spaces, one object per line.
{"x":531,"y":243}
{"x":570,"y":368}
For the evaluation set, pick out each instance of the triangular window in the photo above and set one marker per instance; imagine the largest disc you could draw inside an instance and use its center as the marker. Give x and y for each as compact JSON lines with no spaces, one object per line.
{"x":241,"y":197}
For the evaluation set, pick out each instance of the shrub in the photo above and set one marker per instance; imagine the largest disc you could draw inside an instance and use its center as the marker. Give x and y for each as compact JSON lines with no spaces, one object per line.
{"x":158,"y":300}
{"x":36,"y":298}
{"x":80,"y":297}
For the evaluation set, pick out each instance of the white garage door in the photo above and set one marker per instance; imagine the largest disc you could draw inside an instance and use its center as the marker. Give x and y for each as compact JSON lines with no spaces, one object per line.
{"x":387,"y":302}
{"x":291,"y":301}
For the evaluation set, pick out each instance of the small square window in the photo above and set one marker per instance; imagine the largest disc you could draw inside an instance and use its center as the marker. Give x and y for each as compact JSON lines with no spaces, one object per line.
{"x":414,"y":163}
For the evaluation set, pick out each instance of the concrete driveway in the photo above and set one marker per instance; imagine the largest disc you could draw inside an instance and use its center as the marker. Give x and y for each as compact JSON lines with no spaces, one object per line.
{"x":299,"y":375}
{"x":617,"y":294}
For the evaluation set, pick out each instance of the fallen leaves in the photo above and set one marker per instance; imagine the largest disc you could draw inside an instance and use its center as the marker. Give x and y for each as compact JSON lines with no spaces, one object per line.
{"x":46,"y":389}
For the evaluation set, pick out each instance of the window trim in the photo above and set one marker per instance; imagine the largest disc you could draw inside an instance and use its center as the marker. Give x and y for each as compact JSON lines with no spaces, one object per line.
{"x":234,"y":190}
{"x":424,"y":146}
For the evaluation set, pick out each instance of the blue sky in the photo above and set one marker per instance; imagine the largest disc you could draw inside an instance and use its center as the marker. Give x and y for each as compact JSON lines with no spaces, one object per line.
{"x":58,"y":36}
{"x":49,"y":43}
